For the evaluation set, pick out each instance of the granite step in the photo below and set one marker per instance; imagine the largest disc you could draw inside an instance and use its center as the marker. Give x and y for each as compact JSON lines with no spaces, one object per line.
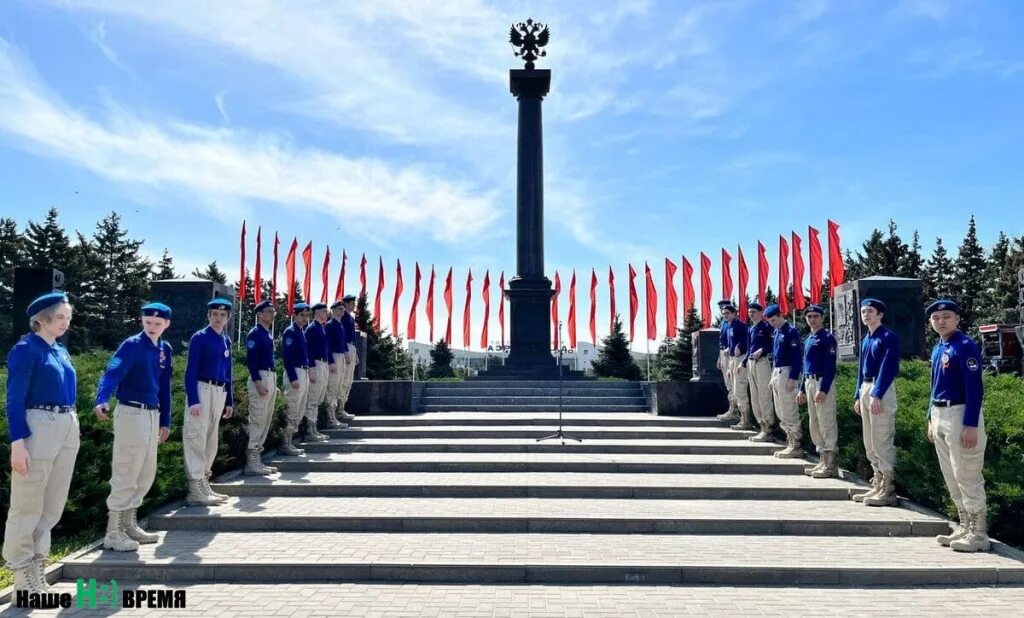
{"x":204,"y":555}
{"x":544,"y":515}
{"x":567,"y":390}
{"x":519,"y":432}
{"x":540,"y":485}
{"x":531,"y":445}
{"x":552,"y":407}
{"x":551,"y":401}
{"x":576,"y":419}
{"x":500,"y":384}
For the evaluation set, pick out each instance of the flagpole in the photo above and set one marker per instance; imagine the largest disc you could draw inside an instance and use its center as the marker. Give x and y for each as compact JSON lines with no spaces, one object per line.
{"x":648,"y":360}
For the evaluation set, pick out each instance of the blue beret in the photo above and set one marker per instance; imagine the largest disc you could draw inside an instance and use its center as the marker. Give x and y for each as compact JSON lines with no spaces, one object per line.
{"x":349,"y":298}
{"x":942,"y":305}
{"x":755,"y":305}
{"x":771,"y":311}
{"x":336,"y":304}
{"x":814,"y":309}
{"x":319,"y":306}
{"x":219,"y":303}
{"x":263,"y":304}
{"x":45,"y":302}
{"x":156,"y":310}
{"x":724,"y":301}
{"x":728,"y":306}
{"x":301,"y":306}
{"x":873,"y":302}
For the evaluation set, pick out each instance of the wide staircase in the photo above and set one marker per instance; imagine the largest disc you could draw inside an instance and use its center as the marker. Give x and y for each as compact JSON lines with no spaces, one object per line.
{"x":467,"y":502}
{"x":533,"y":396}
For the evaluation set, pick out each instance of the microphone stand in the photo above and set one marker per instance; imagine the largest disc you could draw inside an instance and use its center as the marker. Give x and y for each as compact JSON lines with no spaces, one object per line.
{"x":559,"y":434}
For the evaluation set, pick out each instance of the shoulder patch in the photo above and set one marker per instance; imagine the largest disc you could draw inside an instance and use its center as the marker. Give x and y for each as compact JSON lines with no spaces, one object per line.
{"x":973,"y":364}
{"x":114,"y":363}
{"x":287,"y":341}
{"x":251,"y":344}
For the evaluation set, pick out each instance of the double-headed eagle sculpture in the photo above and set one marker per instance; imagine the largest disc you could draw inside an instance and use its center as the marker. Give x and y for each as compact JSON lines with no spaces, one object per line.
{"x":528,"y":38}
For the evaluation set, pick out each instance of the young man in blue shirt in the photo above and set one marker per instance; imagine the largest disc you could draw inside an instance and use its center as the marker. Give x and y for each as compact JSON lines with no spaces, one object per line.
{"x":817,"y":392}
{"x":261,"y":386}
{"x":759,"y":372}
{"x":732,"y":415}
{"x":319,"y":359}
{"x":140,"y":373}
{"x":786,"y":366}
{"x":337,"y":348}
{"x":351,"y":357}
{"x":295,"y":359}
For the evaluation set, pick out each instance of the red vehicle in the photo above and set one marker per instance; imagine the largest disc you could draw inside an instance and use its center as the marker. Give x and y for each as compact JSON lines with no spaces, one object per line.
{"x":1001,"y":348}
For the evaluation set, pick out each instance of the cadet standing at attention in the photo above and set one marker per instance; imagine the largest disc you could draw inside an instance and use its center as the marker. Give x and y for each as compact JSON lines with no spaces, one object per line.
{"x":352,"y":357}
{"x":337,"y":347}
{"x":957,"y":427}
{"x":736,"y":343}
{"x":261,"y":386}
{"x":759,"y":372}
{"x":816,"y":391}
{"x":732,"y":415}
{"x":43,"y":427}
{"x":786,"y":366}
{"x":140,"y":373}
{"x":295,"y":359}
{"x":875,"y":402}
{"x":209,"y":398}
{"x":316,"y":346}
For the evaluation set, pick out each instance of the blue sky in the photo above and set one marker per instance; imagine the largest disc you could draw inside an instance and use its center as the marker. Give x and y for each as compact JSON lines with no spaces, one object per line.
{"x":387,"y":127}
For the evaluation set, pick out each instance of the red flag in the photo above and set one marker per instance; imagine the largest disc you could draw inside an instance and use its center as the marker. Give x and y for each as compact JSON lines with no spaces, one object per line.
{"x":726,"y":275}
{"x":324,"y":274}
{"x":339,"y":290}
{"x":689,"y":296}
{"x":362,"y":276}
{"x":273,"y":280}
{"x":501,"y":306}
{"x":448,"y":305}
{"x":572,"y":311}
{"x":289,"y":273}
{"x":241,"y":268}
{"x":486,"y":294}
{"x":611,"y":297}
{"x":554,"y":311}
{"x":593,"y":306}
{"x":257,"y":279}
{"x":799,"y":302}
{"x":671,"y":299}
{"x":399,"y":287}
{"x":465,"y":311}
{"x":783,"y":275}
{"x":705,"y":289}
{"x":651,"y":301}
{"x":380,"y":291}
{"x":814,"y":248}
{"x":762,"y":272}
{"x":430,"y":304}
{"x":307,"y":262}
{"x":634,"y":300}
{"x":410,"y":329}
{"x":744,"y":277}
{"x":836,"y":267}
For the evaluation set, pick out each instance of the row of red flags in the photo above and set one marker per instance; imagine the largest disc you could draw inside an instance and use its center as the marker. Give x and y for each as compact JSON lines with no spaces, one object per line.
{"x":789,"y":252}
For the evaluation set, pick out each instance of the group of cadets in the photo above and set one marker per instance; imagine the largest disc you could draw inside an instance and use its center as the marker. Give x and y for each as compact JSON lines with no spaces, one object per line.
{"x":769,"y":374}
{"x":319,"y":357}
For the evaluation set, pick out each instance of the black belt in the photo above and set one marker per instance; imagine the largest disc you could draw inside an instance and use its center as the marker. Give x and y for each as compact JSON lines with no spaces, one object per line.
{"x":214,"y":382}
{"x":813,"y":376}
{"x":52,"y":407}
{"x":140,"y":405}
{"x":946,"y":403}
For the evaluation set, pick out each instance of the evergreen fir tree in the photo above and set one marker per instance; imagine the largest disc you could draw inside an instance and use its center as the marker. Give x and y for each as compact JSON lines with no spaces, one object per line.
{"x":441,"y":361}
{"x":677,"y":362}
{"x":912,"y":263}
{"x":385,"y":358}
{"x":939,"y":277}
{"x":212,"y":273}
{"x":614,"y":359}
{"x":46,"y":243}
{"x":12,"y":254}
{"x":1001,"y":303}
{"x":164,"y":268}
{"x":120,"y":278}
{"x":970,"y":268}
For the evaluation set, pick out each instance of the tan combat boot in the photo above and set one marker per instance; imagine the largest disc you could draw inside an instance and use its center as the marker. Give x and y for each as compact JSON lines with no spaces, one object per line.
{"x":744,"y":424}
{"x":345,"y":416}
{"x":793,"y":449}
{"x":332,"y":421}
{"x":829,"y":469}
{"x":765,"y":435}
{"x":959,"y":530}
{"x":197,"y":495}
{"x":976,"y":538}
{"x":116,"y":538}
{"x":39,"y":571}
{"x":886,"y":494}
{"x":254,"y":465}
{"x":25,"y":578}
{"x":287,"y":448}
{"x":876,"y":482}
{"x":134,"y":532}
{"x":209,"y":490}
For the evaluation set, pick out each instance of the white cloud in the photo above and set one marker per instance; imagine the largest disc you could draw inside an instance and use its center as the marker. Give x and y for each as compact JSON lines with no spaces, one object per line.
{"x":229,"y":166}
{"x":97,"y":33}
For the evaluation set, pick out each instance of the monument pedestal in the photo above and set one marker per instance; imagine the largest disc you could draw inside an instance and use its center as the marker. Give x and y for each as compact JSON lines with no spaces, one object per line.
{"x":530,"y":323}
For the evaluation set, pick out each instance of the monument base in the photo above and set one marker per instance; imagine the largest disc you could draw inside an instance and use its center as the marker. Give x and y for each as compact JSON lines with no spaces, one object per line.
{"x":529,"y":300}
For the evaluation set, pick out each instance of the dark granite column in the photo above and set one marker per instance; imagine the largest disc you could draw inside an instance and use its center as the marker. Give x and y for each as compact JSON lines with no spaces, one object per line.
{"x":529,"y":292}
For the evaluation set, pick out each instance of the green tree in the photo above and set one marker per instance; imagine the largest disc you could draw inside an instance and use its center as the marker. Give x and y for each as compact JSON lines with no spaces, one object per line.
{"x":939,"y":277}
{"x":385,"y":357}
{"x":971,"y":269}
{"x":614,"y":359}
{"x":880,"y":254}
{"x":911,"y":264}
{"x":164,"y":268}
{"x":12,"y":254}
{"x":1001,"y":295}
{"x":46,"y":243}
{"x":119,"y":282}
{"x":675,"y":362}
{"x":211,"y":273}
{"x":441,"y":357}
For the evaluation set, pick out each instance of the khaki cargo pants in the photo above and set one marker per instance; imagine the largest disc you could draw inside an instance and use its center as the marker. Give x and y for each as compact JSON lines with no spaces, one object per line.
{"x":821,"y":416}
{"x":261,"y":409}
{"x":961,"y":468}
{"x":200,"y":434}
{"x":879,"y":430}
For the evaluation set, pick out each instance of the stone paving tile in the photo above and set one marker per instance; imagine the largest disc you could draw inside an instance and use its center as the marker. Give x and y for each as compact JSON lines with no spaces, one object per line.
{"x":191,"y":547}
{"x":424,"y":600}
{"x":377,"y":507}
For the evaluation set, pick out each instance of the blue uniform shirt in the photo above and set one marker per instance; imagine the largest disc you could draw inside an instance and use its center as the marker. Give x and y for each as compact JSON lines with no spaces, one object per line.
{"x":350,"y":327}
{"x":956,"y":375}
{"x":259,"y":352}
{"x":879,"y":360}
{"x":723,"y":335}
{"x":786,"y":349}
{"x":759,"y":337}
{"x":336,"y":343}
{"x":737,"y":337}
{"x":37,"y":374}
{"x":293,"y":351}
{"x":140,"y":371}
{"x":316,"y":342}
{"x":820,"y":358}
{"x":209,"y":358}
